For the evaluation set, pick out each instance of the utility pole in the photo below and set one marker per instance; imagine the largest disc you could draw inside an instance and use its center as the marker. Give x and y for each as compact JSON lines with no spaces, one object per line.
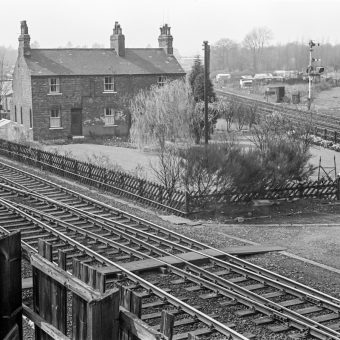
{"x":206,"y":80}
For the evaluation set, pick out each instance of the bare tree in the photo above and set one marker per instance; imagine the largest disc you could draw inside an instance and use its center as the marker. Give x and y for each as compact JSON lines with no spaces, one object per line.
{"x":4,"y":84}
{"x":255,"y":41}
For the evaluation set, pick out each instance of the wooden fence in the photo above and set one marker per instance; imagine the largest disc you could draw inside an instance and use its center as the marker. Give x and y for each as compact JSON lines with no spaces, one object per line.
{"x":178,"y":202}
{"x":91,"y":313}
{"x":116,"y":182}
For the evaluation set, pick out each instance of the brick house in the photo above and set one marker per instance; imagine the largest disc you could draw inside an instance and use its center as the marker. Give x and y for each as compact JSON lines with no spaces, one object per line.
{"x":62,"y":93}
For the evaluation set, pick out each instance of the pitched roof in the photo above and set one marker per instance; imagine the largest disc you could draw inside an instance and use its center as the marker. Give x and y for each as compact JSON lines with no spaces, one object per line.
{"x":102,"y":61}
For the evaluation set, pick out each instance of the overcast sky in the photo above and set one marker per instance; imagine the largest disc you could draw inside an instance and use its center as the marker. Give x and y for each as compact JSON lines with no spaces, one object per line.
{"x":84,"y":22}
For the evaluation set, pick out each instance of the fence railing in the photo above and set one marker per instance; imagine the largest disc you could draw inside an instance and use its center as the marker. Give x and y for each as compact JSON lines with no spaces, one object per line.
{"x":91,"y":313}
{"x":154,"y":194}
{"x":116,"y":182}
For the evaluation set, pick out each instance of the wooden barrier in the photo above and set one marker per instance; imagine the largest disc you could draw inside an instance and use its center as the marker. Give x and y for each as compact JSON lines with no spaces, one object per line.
{"x":96,"y":313}
{"x":10,"y":287}
{"x":179,"y":202}
{"x":116,"y":182}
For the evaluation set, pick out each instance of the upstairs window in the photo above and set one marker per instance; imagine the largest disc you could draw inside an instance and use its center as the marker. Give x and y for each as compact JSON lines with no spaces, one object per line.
{"x":54,"y":85}
{"x":55,"y":118}
{"x":161,"y":80}
{"x":109,"y":117}
{"x":109,"y":85}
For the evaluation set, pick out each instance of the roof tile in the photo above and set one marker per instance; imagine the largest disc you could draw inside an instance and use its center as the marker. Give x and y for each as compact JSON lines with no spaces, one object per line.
{"x":80,"y":61}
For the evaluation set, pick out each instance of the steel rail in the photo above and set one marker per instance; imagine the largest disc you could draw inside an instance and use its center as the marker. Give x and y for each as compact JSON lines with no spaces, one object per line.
{"x":223,"y":287}
{"x":191,"y":242}
{"x":324,"y":122}
{"x":240,"y":270}
{"x":210,"y":322}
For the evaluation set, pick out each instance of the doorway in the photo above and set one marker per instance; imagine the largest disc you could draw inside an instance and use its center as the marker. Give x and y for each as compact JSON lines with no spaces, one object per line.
{"x":76,"y":122}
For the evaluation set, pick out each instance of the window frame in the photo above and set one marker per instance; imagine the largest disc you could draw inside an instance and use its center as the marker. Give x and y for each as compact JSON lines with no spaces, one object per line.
{"x":56,"y":85}
{"x":109,"y":84}
{"x":55,"y":116}
{"x":109,"y":119}
{"x":161,"y":80}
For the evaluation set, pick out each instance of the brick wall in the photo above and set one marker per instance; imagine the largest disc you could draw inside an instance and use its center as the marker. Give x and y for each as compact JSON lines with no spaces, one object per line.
{"x":22,"y":96}
{"x":87,"y":93}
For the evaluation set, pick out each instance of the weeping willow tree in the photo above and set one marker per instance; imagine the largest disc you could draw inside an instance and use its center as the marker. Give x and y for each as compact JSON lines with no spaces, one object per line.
{"x":162,"y":114}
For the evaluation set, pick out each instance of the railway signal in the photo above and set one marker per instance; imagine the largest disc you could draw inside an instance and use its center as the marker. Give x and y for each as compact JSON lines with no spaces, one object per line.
{"x":312,"y":71}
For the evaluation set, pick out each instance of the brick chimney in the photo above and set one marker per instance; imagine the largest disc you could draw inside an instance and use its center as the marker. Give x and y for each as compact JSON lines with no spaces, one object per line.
{"x":165,"y":39}
{"x":117,"y":40}
{"x":24,"y":40}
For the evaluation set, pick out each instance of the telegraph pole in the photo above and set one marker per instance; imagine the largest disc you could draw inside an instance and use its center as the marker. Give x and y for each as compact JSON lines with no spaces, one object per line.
{"x":310,"y":78}
{"x":206,"y":80}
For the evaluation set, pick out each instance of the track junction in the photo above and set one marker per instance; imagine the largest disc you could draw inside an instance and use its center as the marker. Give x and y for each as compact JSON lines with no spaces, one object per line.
{"x":125,"y":247}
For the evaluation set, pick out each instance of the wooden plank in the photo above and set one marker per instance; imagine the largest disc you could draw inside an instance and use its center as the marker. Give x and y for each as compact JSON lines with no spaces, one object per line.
{"x":59,"y":298}
{"x":69,"y":281}
{"x":45,"y":287}
{"x":129,"y":321}
{"x":10,"y":283}
{"x":167,"y":324}
{"x":79,"y":306}
{"x":52,"y":331}
{"x":13,"y":334}
{"x":193,"y":257}
{"x":103,"y":317}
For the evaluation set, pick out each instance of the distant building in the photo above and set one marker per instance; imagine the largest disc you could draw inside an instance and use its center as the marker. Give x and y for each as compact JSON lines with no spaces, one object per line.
{"x":72,"y":92}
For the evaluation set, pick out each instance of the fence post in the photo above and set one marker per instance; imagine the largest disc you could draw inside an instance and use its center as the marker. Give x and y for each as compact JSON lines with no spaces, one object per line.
{"x":75,"y":169}
{"x":337,"y":183}
{"x":325,"y":135}
{"x":335,"y":137}
{"x":160,"y":194}
{"x":167,"y":324}
{"x":132,"y":303}
{"x":300,"y":190}
{"x":141,"y":188}
{"x":10,"y":285}
{"x":187,"y":202}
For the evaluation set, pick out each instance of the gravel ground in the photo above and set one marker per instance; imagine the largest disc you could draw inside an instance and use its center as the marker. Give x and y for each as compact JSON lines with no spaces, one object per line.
{"x":316,"y":242}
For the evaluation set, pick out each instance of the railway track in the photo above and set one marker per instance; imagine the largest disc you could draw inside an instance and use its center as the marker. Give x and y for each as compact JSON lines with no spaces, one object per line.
{"x":320,"y":121}
{"x":120,"y":238}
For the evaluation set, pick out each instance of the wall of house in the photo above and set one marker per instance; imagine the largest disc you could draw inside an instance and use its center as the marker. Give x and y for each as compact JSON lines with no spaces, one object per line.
{"x":22,"y":95}
{"x":86,"y":93}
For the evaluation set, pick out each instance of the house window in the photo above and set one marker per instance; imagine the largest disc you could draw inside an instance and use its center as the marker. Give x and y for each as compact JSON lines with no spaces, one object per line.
{"x":55,"y":119}
{"x":15,"y":113}
{"x":31,"y":119}
{"x":21,"y":118}
{"x":161,"y":80}
{"x":54,"y":85}
{"x":109,"y":85}
{"x":109,"y":118}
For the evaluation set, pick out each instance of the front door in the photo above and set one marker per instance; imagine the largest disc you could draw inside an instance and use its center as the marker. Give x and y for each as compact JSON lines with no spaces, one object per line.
{"x":76,"y":122}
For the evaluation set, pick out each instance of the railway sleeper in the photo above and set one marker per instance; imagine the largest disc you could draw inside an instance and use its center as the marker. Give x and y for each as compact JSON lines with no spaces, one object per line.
{"x":197,"y":332}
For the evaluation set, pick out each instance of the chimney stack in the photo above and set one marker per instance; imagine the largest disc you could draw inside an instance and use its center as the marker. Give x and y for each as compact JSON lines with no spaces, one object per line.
{"x":117,"y":40}
{"x":24,"y":40}
{"x":165,"y":39}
